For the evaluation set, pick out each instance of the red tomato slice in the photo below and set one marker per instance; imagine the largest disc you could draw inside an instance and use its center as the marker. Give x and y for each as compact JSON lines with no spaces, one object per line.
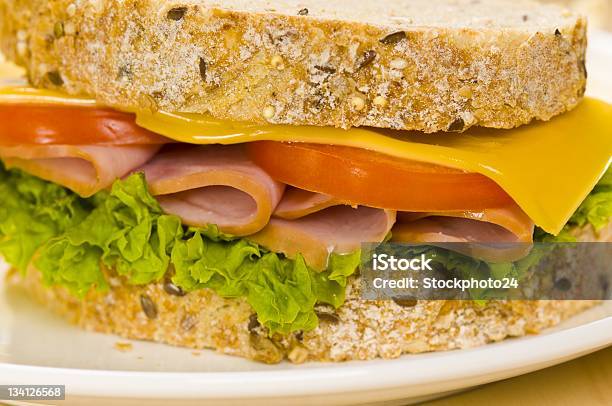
{"x":364,"y":177}
{"x":71,"y":125}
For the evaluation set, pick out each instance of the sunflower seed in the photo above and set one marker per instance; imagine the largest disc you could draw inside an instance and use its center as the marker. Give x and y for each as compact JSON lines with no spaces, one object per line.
{"x":332,"y":318}
{"x":457,"y":125}
{"x":367,"y":58}
{"x":203,"y":65}
{"x":326,"y":69}
{"x":55,"y":78}
{"x":393,"y":38}
{"x":253,"y":324}
{"x":176,"y":13}
{"x":171,"y":289}
{"x":148,"y":307}
{"x":405,"y":301}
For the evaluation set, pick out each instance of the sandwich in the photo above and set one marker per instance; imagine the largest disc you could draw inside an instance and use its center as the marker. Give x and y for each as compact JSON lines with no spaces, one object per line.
{"x":204,"y":173}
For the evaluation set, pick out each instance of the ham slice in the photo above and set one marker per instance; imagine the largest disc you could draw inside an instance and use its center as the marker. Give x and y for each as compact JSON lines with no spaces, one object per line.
{"x":497,"y":235}
{"x":503,"y":225}
{"x":339,"y":229}
{"x":213,"y":184}
{"x":85,"y":169}
{"x":506,"y":227}
{"x":298,"y":203}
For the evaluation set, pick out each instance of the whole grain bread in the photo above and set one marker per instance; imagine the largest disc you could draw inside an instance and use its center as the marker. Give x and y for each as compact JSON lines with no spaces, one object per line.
{"x":405,"y":64}
{"x":358,"y":330}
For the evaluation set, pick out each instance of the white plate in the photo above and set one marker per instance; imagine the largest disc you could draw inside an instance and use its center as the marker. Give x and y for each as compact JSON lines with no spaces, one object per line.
{"x":36,"y":347}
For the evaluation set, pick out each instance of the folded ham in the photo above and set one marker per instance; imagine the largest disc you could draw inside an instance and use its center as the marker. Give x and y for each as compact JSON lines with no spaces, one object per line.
{"x":85,"y":169}
{"x":213,"y":184}
{"x":298,"y":203}
{"x":317,"y":224}
{"x":338,"y":229}
{"x":501,"y":225}
{"x":496,"y":235}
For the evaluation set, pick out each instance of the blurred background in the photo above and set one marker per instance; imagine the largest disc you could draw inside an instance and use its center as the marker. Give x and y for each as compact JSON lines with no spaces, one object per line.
{"x":599,"y":12}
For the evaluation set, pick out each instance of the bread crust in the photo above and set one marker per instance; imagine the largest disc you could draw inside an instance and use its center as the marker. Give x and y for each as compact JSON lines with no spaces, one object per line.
{"x":359,"y":330}
{"x":267,"y":64}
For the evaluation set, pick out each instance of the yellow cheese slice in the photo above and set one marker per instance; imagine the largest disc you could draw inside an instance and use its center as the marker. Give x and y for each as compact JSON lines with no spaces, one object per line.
{"x":547,"y":167}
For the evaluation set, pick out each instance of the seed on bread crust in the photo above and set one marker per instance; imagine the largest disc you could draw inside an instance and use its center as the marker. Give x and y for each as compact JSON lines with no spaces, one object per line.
{"x":303,"y":12}
{"x":380,"y":101}
{"x":58,"y":29}
{"x":358,"y":103}
{"x":171,"y":289}
{"x":176,"y":13}
{"x":269,"y":112}
{"x":148,"y":306}
{"x":367,"y":58}
{"x":277,"y":62}
{"x":456,"y":126}
{"x":298,"y":354}
{"x":405,"y":301}
{"x":55,"y":78}
{"x":326,"y":69}
{"x":327,"y":316}
{"x":253,"y":324}
{"x":393,"y":38}
{"x":203,"y":66}
{"x":265,"y":349}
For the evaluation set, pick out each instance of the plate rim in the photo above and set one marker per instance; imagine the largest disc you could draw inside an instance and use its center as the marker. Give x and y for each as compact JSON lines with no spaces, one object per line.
{"x":408,"y":372}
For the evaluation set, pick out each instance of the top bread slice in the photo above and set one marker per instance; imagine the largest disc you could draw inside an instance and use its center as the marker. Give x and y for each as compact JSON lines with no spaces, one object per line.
{"x":404,"y":64}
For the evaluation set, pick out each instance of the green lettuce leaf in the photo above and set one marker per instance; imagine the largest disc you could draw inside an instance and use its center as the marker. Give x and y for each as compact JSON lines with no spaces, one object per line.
{"x":282,"y":292}
{"x":125,"y":231}
{"x":76,"y":239}
{"x":33,"y":211}
{"x":75,"y":267}
{"x":330,"y":286}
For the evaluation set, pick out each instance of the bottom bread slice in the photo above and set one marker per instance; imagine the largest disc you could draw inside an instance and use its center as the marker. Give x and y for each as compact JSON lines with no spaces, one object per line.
{"x":358,"y":330}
